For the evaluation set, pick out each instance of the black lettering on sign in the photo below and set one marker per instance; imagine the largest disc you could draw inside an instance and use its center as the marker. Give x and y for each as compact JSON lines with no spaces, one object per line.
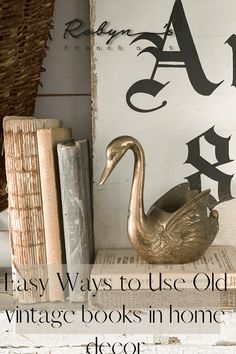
{"x":74,"y":28}
{"x":232,"y":42}
{"x":186,"y":57}
{"x":210,"y":170}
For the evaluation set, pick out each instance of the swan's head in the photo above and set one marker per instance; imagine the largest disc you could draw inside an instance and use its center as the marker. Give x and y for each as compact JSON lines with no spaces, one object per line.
{"x":114,"y":152}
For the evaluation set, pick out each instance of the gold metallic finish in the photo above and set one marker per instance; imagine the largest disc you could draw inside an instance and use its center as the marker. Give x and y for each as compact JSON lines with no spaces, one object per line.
{"x":177,"y":227}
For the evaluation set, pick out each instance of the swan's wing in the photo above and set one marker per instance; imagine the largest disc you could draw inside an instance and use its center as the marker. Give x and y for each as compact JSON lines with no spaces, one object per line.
{"x":188,"y":222}
{"x":180,"y":190}
{"x":188,"y":233}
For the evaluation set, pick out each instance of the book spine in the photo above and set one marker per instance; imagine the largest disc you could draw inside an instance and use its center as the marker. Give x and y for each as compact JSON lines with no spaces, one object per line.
{"x":84,"y":176}
{"x":26,"y":225}
{"x":50,"y":211}
{"x":76,"y":207}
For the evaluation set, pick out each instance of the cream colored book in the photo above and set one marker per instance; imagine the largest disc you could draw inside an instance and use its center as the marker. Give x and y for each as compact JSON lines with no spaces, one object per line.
{"x":26,"y":225}
{"x":47,"y":141}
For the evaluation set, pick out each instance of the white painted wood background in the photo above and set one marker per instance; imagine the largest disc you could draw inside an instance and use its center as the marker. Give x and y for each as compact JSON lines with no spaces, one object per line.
{"x":66,"y":95}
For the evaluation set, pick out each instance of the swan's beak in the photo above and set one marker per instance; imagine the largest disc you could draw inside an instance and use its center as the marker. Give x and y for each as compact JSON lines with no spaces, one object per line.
{"x":106,"y":172}
{"x":111,"y":164}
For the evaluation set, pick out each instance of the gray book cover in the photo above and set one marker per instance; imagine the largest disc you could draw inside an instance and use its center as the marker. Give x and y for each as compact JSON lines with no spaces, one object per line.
{"x":73,"y":162}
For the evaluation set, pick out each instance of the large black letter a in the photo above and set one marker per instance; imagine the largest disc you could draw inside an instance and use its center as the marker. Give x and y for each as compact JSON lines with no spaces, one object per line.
{"x":187,"y":56}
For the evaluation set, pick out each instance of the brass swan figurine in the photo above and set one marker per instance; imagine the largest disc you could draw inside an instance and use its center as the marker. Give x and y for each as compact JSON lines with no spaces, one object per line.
{"x":177,"y":228}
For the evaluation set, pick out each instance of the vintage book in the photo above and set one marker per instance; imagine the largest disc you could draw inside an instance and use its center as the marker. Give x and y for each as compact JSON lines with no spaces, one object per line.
{"x":208,"y":271}
{"x":73,"y":161}
{"x":47,"y":141}
{"x":26,"y":225}
{"x":168,"y":80}
{"x":112,"y":263}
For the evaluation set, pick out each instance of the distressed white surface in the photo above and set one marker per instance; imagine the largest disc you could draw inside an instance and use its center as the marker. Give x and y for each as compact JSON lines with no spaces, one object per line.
{"x":151,"y":349}
{"x":67,"y":344}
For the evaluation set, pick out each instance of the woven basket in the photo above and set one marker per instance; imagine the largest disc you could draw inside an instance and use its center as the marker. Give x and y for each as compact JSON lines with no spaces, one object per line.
{"x":24,"y":30}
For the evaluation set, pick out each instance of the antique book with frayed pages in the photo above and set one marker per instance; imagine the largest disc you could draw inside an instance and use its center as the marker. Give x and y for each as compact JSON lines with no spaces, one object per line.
{"x":26,"y":224}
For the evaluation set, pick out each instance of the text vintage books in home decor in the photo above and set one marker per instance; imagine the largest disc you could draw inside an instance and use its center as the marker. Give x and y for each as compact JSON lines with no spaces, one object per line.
{"x":164,"y":72}
{"x":73,"y":161}
{"x":26,"y":225}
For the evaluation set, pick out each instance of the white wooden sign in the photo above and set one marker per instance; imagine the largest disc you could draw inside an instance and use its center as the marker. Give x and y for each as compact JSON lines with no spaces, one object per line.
{"x":164,"y":72}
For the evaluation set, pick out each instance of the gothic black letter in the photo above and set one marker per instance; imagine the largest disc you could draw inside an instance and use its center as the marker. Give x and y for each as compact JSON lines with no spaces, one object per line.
{"x":210,"y":170}
{"x":232,"y":42}
{"x":187,"y":56}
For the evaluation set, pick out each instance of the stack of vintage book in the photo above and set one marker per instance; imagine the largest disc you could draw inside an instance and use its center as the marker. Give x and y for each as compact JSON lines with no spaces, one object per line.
{"x":49,"y":204}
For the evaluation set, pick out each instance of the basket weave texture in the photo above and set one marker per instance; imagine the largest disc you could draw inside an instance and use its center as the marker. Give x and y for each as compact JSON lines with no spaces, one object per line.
{"x":24,"y":30}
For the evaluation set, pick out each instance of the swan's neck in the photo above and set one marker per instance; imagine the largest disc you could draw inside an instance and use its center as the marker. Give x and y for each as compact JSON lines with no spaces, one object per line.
{"x":136,"y":209}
